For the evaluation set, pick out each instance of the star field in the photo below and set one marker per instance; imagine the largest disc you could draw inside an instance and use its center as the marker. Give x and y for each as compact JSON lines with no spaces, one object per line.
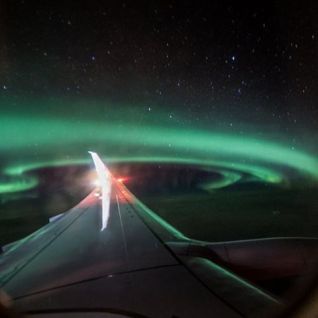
{"x":250,"y":63}
{"x":209,"y":68}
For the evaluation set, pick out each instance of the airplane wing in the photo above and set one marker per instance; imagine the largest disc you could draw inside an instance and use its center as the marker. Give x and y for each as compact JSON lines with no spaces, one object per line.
{"x":110,"y":256}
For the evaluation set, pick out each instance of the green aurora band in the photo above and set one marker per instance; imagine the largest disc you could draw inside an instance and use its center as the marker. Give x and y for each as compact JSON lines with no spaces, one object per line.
{"x":29,"y":140}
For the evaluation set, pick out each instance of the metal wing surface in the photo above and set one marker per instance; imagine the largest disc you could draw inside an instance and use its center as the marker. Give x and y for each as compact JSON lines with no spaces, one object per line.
{"x":110,"y":254}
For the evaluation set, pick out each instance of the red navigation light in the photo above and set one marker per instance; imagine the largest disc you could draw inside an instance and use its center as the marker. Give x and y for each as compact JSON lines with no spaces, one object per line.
{"x":121,"y":179}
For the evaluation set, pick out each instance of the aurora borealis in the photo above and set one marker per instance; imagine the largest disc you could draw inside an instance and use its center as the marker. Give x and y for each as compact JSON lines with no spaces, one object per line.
{"x":224,"y":89}
{"x":231,"y":155}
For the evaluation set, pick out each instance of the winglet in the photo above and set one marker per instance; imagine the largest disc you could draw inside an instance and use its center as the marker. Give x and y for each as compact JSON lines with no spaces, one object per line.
{"x":104,"y":178}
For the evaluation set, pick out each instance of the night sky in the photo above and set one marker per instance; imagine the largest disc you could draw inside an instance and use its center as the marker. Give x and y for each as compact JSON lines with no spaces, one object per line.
{"x":231,"y":86}
{"x":254,"y":63}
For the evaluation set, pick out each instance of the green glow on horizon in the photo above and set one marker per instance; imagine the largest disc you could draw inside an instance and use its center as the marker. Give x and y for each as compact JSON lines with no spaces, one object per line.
{"x":228,"y":177}
{"x":120,"y":139}
{"x":19,"y":184}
